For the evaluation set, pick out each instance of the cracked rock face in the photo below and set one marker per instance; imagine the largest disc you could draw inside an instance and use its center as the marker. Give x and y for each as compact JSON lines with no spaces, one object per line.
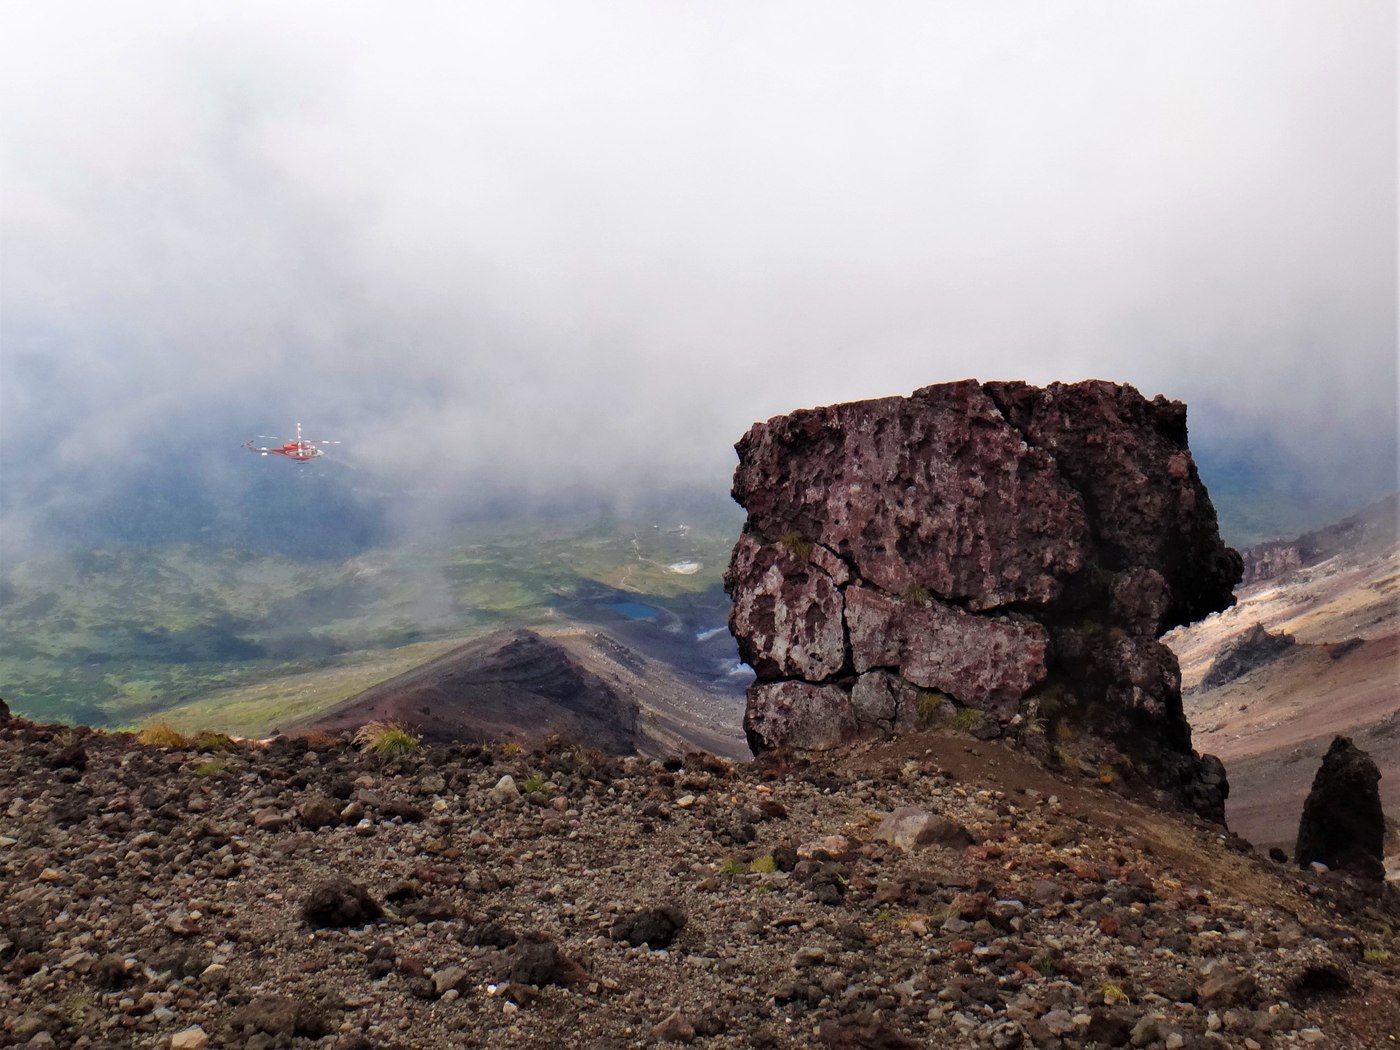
{"x":998,"y":547}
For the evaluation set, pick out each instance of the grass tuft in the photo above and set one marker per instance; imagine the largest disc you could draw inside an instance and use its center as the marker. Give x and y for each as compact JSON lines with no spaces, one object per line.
{"x":207,"y":740}
{"x":928,"y":704}
{"x":162,"y":734}
{"x":966,"y":719}
{"x":387,"y":739}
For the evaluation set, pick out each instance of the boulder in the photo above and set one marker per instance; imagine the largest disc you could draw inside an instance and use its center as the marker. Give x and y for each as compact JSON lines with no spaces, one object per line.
{"x":1343,"y":825}
{"x":1014,"y":550}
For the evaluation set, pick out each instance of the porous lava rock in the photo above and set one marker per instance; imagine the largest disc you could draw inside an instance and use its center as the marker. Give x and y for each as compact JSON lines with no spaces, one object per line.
{"x":1013,"y":550}
{"x":1343,"y":825}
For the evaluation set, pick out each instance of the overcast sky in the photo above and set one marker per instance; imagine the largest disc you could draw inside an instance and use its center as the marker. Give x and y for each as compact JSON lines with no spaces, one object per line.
{"x":595,"y":241}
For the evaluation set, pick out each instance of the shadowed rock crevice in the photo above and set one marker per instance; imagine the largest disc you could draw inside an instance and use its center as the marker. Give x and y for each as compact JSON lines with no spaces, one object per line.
{"x":1003,"y":548}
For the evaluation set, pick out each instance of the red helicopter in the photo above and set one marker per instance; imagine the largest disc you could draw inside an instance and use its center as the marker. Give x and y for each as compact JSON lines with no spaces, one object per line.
{"x":300,"y":449}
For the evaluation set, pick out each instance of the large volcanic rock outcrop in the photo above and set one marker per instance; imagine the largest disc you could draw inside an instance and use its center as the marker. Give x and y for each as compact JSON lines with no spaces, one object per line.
{"x":998,"y":547}
{"x":1343,"y":825}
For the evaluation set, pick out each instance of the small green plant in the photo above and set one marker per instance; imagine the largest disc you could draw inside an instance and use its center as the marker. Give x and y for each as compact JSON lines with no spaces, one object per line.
{"x":207,"y":740}
{"x":1113,"y":994}
{"x":1067,"y":759}
{"x":536,"y":783}
{"x":915,"y":592}
{"x":966,"y":719}
{"x":511,"y":748}
{"x":764,"y":865}
{"x":386,"y":739}
{"x":797,"y":544}
{"x":162,"y":734}
{"x":732,"y":867}
{"x":213,"y":766}
{"x":1047,"y":966}
{"x":884,"y":915}
{"x":1375,"y":955}
{"x":927,"y":705}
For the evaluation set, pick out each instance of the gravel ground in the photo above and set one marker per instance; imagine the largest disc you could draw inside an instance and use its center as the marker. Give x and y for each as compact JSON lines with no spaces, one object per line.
{"x":291,"y":896}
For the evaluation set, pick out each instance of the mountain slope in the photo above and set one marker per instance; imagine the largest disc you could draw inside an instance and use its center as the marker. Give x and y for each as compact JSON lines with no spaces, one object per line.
{"x":522,"y":686}
{"x":275,"y":898}
{"x":1336,"y":591}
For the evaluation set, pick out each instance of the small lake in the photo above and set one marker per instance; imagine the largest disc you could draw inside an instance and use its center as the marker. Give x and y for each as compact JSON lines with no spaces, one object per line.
{"x":633,"y":610}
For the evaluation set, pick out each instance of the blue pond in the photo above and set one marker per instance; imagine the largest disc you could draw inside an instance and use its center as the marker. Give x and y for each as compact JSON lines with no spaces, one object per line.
{"x":633,"y":610}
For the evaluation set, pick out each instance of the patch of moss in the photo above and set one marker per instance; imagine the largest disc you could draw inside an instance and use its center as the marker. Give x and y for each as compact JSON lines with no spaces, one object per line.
{"x":796,"y":543}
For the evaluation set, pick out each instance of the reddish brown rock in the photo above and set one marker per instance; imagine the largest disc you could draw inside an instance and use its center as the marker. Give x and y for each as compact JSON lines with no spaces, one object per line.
{"x":791,"y":612}
{"x":1002,"y":547}
{"x":799,"y":714}
{"x":934,"y":491}
{"x":977,"y":660}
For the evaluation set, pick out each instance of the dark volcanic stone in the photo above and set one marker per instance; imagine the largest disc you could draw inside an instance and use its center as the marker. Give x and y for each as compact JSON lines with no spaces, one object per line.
{"x":319,"y":812}
{"x":981,"y":546}
{"x":656,"y":927}
{"x":340,"y":902}
{"x":280,"y":1015}
{"x":1342,"y":824}
{"x":1243,"y":653}
{"x":71,"y":757}
{"x":864,"y":1032}
{"x":536,"y":960}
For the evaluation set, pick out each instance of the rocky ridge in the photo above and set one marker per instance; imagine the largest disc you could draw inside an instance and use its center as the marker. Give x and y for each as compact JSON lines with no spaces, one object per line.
{"x":524,"y":685}
{"x":929,"y":891}
{"x":997,"y":553}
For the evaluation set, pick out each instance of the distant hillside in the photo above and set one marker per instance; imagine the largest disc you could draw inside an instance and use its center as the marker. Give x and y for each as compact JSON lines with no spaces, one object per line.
{"x":1336,"y":592}
{"x":520,"y":686}
{"x":1370,"y":530}
{"x":118,"y":635}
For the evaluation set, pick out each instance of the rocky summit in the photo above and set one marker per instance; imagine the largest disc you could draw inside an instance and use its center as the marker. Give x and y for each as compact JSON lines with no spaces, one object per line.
{"x":995,"y":554}
{"x":930,"y":891}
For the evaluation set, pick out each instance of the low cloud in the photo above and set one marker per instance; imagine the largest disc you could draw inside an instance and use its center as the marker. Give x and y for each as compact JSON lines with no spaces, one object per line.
{"x":524,"y":249}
